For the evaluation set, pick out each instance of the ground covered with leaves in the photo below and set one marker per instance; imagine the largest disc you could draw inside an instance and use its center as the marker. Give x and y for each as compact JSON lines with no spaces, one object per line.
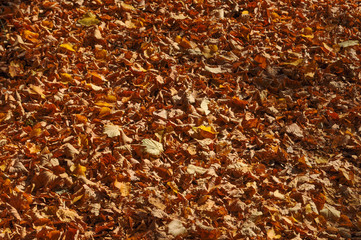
{"x":180,"y":119}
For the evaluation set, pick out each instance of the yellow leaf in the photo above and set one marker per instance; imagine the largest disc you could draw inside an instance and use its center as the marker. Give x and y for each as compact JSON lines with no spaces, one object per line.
{"x":104,"y":111}
{"x":127,"y":7}
{"x":275,"y":15}
{"x":213,"y":48}
{"x":47,"y":24}
{"x":307,"y":30}
{"x":111,"y":98}
{"x":103,"y":104}
{"x":68,"y":46}
{"x":124,"y":188}
{"x":66,"y":77}
{"x":3,"y":167}
{"x":173,"y":186}
{"x":207,"y":129}
{"x":89,"y":19}
{"x":178,"y":39}
{"x":78,"y":170}
{"x":294,"y":63}
{"x":77,"y":198}
{"x":307,"y":36}
{"x":245,"y":13}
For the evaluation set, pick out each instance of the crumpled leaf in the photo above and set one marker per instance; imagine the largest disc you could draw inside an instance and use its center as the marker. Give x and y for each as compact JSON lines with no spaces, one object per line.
{"x":176,"y":228}
{"x":37,"y":89}
{"x":208,"y":129}
{"x":78,"y":170}
{"x":192,"y":169}
{"x":152,"y":147}
{"x":31,"y":36}
{"x":214,"y":70}
{"x":204,"y":106}
{"x":124,"y":188}
{"x":89,"y":19}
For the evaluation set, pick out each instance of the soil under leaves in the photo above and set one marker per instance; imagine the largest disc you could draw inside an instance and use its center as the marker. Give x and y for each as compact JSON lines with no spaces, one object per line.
{"x":180,"y":119}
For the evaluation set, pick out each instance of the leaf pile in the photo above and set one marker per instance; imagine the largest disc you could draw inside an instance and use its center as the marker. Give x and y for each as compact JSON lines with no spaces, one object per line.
{"x":180,"y":119}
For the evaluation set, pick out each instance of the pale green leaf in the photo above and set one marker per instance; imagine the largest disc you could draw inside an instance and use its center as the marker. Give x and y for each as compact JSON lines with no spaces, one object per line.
{"x":89,"y":19}
{"x":152,"y":147}
{"x":349,"y":43}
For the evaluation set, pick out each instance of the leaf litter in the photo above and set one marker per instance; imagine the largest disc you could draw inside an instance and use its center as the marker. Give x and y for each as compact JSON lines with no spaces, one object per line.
{"x":255,"y":105}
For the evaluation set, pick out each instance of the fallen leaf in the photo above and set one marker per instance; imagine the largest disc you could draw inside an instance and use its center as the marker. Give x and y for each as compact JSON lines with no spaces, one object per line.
{"x":89,"y":19}
{"x":112,"y":130}
{"x":176,"y":228}
{"x":67,"y":46}
{"x":152,"y":147}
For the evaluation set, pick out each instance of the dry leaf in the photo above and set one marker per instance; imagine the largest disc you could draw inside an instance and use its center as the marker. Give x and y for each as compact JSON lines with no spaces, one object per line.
{"x":89,"y":19}
{"x":112,"y":130}
{"x":152,"y":147}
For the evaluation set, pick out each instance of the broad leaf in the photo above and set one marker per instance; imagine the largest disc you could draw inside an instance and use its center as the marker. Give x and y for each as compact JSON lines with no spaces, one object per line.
{"x":152,"y":147}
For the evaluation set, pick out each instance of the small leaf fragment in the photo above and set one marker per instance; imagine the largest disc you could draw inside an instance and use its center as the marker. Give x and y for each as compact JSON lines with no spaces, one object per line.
{"x":68,"y":46}
{"x":204,"y":106}
{"x":208,"y":129}
{"x":294,"y":63}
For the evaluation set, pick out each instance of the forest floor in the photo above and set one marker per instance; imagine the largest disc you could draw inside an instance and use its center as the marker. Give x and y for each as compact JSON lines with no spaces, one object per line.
{"x":180,"y":119}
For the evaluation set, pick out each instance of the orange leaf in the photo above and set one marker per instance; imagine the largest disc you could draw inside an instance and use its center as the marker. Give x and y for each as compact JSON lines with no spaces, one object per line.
{"x":31,"y":36}
{"x":261,"y":60}
{"x":80,"y":118}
